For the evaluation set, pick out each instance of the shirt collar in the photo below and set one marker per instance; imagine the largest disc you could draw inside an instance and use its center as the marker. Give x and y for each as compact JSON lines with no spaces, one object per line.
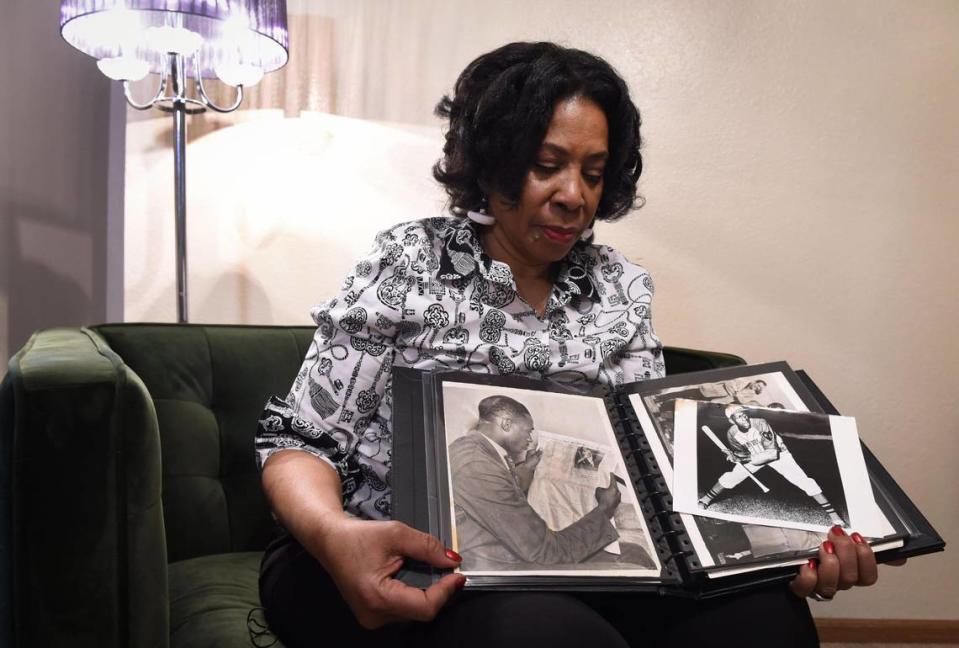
{"x":462,"y":255}
{"x":500,"y":450}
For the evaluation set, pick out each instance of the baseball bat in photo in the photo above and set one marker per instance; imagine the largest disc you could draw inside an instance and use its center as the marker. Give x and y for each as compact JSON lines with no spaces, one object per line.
{"x":719,"y":443}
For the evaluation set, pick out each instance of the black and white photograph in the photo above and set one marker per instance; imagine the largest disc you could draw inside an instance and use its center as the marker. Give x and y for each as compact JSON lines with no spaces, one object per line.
{"x":771,"y":466}
{"x":538,"y":486}
{"x":721,"y":542}
{"x":765,"y":389}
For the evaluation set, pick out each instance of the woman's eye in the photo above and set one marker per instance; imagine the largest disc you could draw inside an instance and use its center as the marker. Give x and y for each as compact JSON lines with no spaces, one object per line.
{"x":593,"y":178}
{"x":546,"y":167}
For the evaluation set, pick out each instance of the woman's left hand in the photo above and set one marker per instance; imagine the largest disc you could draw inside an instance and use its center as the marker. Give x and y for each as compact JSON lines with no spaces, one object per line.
{"x":844,"y":561}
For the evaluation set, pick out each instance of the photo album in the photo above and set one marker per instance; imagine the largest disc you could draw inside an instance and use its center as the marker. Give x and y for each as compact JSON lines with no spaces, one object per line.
{"x":696,"y":484}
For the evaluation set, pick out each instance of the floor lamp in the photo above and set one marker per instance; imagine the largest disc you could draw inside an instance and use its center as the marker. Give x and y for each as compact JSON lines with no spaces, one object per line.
{"x":236,"y":41}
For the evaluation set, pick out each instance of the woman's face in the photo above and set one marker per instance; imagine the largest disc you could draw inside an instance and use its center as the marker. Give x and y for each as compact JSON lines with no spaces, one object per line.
{"x":560,"y":193}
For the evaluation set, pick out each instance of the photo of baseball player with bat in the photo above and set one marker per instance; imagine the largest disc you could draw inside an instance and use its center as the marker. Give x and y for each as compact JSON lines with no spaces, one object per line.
{"x":753,"y":445}
{"x":732,"y":458}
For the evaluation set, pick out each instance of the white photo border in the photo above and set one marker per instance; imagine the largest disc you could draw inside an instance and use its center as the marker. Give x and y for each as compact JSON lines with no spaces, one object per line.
{"x":629,"y":493}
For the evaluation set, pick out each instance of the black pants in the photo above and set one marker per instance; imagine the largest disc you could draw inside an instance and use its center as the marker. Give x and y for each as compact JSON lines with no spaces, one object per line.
{"x":305,"y":610}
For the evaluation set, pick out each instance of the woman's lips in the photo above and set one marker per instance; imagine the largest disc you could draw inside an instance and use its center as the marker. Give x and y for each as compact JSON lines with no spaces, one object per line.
{"x":558,"y":234}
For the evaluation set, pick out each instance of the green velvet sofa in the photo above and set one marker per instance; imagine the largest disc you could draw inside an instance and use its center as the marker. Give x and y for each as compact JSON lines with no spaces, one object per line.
{"x":130,"y":505}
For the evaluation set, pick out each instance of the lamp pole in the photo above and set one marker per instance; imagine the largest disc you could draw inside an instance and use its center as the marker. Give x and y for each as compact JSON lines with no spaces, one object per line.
{"x":181,"y":105}
{"x":179,"y":190}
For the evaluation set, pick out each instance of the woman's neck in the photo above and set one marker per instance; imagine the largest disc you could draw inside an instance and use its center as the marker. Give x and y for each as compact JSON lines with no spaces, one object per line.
{"x":534,"y":281}
{"x":498,"y":248}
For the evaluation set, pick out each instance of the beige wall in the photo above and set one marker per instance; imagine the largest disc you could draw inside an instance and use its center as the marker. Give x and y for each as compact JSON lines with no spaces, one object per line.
{"x":801,"y":184}
{"x":61,"y":216}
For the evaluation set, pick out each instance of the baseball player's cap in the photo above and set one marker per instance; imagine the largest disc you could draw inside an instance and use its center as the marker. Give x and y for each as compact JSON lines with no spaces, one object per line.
{"x":732,"y":410}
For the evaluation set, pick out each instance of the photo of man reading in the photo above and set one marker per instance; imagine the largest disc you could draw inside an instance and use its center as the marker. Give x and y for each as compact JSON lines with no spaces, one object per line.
{"x":492,"y":467}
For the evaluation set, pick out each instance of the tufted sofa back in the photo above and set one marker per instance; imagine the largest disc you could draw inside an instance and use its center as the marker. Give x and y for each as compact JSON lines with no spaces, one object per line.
{"x":208,"y":384}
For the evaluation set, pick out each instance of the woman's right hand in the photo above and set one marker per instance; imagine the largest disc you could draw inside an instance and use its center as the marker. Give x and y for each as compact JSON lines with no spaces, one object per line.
{"x":363,"y":555}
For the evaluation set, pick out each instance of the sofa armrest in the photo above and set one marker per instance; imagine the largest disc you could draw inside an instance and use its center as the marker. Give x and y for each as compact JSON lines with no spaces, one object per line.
{"x":82,"y":456}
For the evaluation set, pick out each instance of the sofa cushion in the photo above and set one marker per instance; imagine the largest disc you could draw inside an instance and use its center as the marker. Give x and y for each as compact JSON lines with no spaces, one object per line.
{"x":208,"y":384}
{"x":210,"y":599}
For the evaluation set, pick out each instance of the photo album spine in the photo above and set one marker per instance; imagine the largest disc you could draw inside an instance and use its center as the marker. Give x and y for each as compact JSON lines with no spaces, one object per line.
{"x":411,"y":503}
{"x":666,"y":527}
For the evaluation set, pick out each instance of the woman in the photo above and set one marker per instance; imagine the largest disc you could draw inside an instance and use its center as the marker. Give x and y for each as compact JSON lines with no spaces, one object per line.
{"x":542,"y":141}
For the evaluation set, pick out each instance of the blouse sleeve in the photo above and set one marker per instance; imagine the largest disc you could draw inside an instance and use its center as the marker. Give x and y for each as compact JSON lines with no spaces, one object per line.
{"x":339,"y":400}
{"x":642,"y":358}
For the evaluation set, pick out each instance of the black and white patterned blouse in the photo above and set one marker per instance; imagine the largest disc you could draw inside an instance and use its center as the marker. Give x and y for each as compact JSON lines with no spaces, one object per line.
{"x":429,"y":297}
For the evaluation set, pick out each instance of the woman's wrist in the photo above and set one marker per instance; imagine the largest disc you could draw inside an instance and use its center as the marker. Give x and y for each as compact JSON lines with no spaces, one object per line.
{"x":322,"y":534}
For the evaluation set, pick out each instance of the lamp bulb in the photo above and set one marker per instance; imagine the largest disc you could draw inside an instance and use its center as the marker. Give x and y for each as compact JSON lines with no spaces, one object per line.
{"x":239,"y":74}
{"x":173,"y":40}
{"x":124,"y":68}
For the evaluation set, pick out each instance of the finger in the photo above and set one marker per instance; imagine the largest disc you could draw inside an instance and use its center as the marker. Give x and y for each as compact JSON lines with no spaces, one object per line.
{"x":828,"y":582}
{"x":531,"y":460}
{"x":848,"y":558}
{"x":440,"y":592}
{"x":899,"y":562}
{"x":868,"y":570}
{"x":424,"y":547}
{"x":805,"y":582}
{"x":407,"y":602}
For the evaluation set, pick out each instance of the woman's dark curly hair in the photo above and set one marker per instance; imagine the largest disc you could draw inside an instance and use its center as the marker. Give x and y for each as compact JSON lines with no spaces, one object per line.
{"x":499,"y":114}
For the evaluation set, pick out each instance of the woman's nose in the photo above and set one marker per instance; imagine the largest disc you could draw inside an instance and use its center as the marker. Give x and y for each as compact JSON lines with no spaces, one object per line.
{"x":570,"y":194}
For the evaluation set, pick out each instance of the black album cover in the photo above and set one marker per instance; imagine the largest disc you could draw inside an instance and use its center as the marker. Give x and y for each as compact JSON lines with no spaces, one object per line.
{"x":697,"y":484}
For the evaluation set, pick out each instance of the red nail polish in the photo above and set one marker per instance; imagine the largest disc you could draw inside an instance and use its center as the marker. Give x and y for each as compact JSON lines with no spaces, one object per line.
{"x":452,"y":555}
{"x":812,"y":564}
{"x":829,"y":547}
{"x":461,"y":584}
{"x":837,"y":530}
{"x":858,"y":539}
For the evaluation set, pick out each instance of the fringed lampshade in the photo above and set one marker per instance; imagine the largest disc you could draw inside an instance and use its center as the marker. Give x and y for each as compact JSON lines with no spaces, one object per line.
{"x":235,"y":40}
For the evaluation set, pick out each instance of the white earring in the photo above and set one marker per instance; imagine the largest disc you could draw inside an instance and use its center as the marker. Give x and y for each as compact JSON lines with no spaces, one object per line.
{"x":480,"y":217}
{"x":587,"y":234}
